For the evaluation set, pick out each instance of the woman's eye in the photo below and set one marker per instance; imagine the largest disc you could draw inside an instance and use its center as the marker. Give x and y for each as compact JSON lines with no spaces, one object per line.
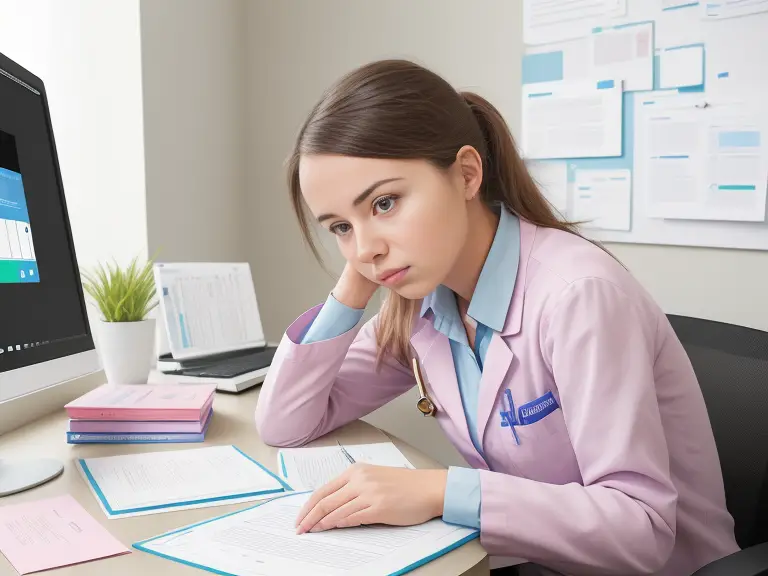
{"x":340,"y":229}
{"x":385,"y":204}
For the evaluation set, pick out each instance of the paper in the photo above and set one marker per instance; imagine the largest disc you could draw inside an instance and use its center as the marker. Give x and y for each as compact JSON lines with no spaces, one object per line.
{"x":732,"y":8}
{"x":681,"y":67}
{"x":552,"y":179}
{"x":547,"y":21}
{"x":51,"y":533}
{"x":677,"y":4}
{"x":701,"y":162}
{"x":156,"y":482}
{"x":262,"y":540}
{"x":624,"y":53}
{"x":311,"y":468}
{"x":602,"y":199}
{"x":572,"y":120}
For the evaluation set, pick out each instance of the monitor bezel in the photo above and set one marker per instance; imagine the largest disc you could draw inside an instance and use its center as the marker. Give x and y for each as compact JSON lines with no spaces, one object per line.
{"x":69,"y":358}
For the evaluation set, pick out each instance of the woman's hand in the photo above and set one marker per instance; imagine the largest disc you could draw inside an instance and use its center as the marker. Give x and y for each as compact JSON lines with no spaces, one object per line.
{"x":353,"y":289}
{"x":368,"y":494}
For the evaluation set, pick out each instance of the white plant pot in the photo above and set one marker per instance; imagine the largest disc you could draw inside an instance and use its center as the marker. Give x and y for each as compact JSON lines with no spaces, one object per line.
{"x":127,"y":350}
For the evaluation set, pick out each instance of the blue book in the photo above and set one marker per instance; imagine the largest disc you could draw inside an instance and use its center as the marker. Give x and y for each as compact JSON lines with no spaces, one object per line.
{"x":138,"y":437}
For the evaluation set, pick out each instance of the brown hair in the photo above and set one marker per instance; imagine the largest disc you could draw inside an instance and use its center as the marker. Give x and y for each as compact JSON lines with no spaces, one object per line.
{"x":398,"y":109}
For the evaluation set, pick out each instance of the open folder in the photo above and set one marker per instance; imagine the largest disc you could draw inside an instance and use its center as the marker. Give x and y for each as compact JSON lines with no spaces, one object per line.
{"x":262,"y":540}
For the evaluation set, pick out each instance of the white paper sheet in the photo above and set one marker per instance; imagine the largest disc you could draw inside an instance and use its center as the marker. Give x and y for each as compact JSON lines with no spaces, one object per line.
{"x":154,"y":482}
{"x":701,"y":163}
{"x":624,"y":53}
{"x":681,"y":67}
{"x":552,"y":178}
{"x":732,"y":8}
{"x":603,"y":199}
{"x":572,"y":120}
{"x":311,"y":468}
{"x":262,"y":540}
{"x":553,"y":20}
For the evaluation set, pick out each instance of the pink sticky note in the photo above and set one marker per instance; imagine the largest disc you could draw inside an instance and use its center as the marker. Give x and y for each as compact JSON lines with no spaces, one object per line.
{"x":51,"y":533}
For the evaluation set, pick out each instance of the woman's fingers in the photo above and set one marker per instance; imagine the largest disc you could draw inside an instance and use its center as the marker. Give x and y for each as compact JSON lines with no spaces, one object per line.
{"x":322,"y":492}
{"x":336,"y":518}
{"x":325,"y":506}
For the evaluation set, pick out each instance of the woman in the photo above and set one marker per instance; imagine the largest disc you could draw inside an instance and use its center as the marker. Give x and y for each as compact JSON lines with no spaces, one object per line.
{"x":551,"y":370}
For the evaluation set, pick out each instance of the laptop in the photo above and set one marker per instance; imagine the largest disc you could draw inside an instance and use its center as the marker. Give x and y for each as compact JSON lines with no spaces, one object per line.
{"x":212,"y":324}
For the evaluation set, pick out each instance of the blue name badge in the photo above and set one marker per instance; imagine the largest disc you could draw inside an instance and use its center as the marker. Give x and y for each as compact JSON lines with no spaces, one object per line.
{"x":538,"y":409}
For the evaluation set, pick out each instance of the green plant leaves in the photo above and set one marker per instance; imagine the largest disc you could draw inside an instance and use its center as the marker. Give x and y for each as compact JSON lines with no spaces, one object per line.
{"x":122,"y":295}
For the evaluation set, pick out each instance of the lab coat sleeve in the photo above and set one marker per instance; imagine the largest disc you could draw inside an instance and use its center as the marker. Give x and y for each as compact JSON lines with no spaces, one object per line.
{"x":334,"y":319}
{"x":314,"y":388}
{"x":599,"y":343}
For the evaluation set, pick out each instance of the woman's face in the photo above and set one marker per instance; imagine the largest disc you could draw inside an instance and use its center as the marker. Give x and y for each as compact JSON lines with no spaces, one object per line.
{"x":400,"y":223}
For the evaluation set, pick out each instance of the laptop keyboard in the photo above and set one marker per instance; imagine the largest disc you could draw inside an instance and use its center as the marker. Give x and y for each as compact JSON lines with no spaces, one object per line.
{"x":232,"y":367}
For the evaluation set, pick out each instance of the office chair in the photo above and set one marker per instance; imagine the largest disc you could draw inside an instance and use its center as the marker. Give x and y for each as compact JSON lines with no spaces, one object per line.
{"x":731,"y":364}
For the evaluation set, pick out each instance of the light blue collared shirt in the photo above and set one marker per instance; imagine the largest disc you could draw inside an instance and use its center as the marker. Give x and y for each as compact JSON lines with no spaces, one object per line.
{"x":488,"y":307}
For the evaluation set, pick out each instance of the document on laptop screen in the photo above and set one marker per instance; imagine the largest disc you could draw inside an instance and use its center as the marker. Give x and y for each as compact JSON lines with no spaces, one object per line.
{"x":208,"y":308}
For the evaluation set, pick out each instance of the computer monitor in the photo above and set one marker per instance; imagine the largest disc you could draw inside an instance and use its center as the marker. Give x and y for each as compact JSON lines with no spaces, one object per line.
{"x":45,"y":338}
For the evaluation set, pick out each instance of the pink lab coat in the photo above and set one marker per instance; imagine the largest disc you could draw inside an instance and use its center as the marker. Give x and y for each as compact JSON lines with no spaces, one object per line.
{"x":623,"y":479}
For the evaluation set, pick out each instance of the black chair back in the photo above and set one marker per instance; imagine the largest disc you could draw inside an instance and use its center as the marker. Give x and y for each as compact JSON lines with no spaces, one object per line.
{"x":731,"y":364}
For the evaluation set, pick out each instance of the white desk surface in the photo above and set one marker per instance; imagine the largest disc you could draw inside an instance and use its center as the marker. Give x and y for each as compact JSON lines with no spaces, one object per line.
{"x":232,"y":423}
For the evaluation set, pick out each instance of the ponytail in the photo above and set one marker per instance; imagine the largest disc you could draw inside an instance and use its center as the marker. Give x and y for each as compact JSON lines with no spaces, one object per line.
{"x":398,"y":109}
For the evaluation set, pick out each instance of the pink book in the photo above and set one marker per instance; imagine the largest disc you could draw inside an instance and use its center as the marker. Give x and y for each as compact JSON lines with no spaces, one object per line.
{"x":139,"y":426}
{"x":145,"y":402}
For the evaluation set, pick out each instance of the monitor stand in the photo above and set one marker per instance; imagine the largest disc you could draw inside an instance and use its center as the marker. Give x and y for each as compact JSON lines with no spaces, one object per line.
{"x":19,"y":475}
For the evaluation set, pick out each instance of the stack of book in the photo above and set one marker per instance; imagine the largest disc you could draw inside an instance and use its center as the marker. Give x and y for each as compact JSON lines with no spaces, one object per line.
{"x":141,"y":414}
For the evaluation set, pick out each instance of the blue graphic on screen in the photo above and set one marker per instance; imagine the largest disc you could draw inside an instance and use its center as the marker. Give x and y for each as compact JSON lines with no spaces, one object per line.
{"x":18,"y":263}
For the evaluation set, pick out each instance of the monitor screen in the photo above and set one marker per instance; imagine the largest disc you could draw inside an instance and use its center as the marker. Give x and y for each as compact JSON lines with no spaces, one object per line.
{"x":42,"y":309}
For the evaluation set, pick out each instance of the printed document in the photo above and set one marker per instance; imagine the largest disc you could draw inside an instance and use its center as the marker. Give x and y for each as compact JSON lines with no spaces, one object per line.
{"x":162,"y":481}
{"x":572,"y":120}
{"x":52,"y":533}
{"x":732,"y":8}
{"x":681,"y":67}
{"x":624,"y":53}
{"x":262,"y":540}
{"x":701,"y":162}
{"x":602,"y":199}
{"x":547,"y":21}
{"x":311,"y":468}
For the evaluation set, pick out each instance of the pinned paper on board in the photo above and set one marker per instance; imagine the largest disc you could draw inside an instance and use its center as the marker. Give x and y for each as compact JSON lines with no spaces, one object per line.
{"x":552,"y":180}
{"x":602,"y":199}
{"x":732,"y":8}
{"x":681,"y":66}
{"x":546,"y":21}
{"x":624,"y":52}
{"x":677,"y":4}
{"x":700,"y":162}
{"x":572,"y":120}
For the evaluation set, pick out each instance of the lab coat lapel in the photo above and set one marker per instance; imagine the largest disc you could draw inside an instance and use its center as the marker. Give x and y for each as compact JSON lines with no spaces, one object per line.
{"x":433,"y":351}
{"x":498,"y":360}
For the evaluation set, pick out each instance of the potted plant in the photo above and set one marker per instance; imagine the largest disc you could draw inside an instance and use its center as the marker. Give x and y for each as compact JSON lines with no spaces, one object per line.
{"x":124,"y":297}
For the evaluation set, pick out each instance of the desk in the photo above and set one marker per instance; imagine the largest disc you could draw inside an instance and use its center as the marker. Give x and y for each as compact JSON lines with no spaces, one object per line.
{"x":232,"y":424}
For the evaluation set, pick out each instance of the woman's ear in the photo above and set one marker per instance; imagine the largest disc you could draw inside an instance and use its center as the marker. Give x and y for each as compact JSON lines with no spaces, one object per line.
{"x":470,"y":168}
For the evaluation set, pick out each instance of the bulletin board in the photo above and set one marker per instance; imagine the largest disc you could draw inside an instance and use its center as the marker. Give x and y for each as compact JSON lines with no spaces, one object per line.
{"x":668,"y":198}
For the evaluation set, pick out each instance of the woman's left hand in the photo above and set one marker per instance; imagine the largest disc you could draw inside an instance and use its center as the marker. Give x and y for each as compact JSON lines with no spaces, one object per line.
{"x":369,"y":494}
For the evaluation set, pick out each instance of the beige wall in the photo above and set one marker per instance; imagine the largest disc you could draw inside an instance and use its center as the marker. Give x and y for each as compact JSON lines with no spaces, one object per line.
{"x":194,"y":77}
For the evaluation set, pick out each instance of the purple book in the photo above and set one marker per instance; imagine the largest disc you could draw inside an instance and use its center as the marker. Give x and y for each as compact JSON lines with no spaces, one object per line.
{"x":141,"y":427}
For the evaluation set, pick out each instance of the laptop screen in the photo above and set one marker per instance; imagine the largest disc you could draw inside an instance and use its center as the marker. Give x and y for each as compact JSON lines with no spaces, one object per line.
{"x":208,"y":308}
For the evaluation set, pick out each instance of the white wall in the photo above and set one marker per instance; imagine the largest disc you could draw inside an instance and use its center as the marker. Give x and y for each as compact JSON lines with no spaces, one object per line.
{"x":194,"y":77}
{"x":88,"y":54}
